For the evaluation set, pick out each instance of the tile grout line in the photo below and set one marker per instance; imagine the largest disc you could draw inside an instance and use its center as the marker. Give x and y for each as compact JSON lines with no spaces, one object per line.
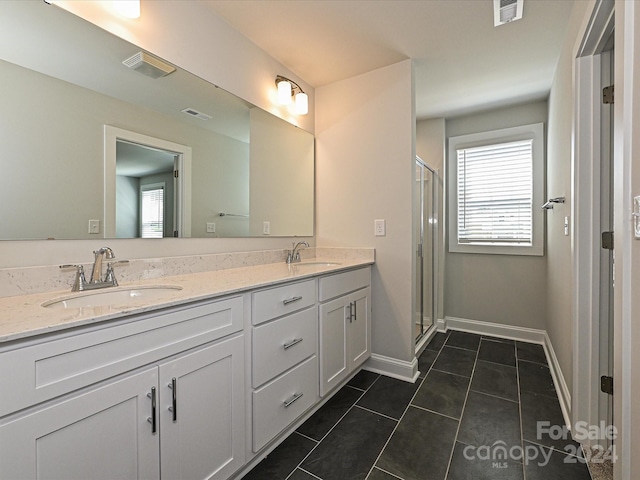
{"x":434,"y":412}
{"x":524,"y":470}
{"x":329,"y":431}
{"x":464,"y":405}
{"x":383,"y":470}
{"x":402,"y":416}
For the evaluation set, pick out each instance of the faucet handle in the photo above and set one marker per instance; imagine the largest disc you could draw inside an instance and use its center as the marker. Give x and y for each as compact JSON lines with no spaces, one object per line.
{"x":110,"y":276}
{"x":80,"y":281}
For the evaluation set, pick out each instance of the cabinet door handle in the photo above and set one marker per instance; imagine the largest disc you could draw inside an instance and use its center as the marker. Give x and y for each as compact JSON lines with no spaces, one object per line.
{"x":152,"y":418}
{"x":354,"y":310}
{"x":296,"y":397}
{"x":293,"y":342}
{"x":287,"y":301}
{"x":174,"y":398}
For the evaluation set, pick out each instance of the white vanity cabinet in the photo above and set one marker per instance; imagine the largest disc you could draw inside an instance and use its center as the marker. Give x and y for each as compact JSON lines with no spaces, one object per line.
{"x":345,"y":325}
{"x":160,"y":396}
{"x":284,"y":355}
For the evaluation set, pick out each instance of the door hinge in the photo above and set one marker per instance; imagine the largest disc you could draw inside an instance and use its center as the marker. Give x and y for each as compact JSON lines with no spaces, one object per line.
{"x":607,"y":95}
{"x":175,"y":174}
{"x":606,"y":384}
{"x":607,"y":240}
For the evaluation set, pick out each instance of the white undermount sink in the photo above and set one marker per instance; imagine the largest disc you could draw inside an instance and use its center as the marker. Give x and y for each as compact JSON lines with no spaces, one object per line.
{"x":120,"y":296}
{"x":316,"y":264}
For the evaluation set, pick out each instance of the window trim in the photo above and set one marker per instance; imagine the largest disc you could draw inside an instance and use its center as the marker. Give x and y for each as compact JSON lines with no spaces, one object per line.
{"x":534,"y":132}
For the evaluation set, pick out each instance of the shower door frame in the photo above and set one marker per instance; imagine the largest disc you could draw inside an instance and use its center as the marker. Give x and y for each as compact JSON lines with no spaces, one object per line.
{"x":433,"y":215}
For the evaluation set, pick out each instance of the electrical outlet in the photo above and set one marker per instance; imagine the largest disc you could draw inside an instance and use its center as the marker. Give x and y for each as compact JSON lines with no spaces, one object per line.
{"x":211,"y":227}
{"x":94,"y":226}
{"x":266,"y":228}
{"x":566,"y":226}
{"x":380,"y":228}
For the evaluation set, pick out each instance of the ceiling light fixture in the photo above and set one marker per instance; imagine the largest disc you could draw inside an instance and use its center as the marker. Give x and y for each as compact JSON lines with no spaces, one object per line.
{"x":289,"y":91}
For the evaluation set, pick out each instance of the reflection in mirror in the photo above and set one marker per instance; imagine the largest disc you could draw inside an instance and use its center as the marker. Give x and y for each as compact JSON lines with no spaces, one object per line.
{"x":68,"y":86}
{"x":145,"y":194}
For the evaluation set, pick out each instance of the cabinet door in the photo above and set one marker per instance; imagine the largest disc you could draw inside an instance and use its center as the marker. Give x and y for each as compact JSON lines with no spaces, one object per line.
{"x":359,"y":328}
{"x":334,"y":362}
{"x":100,"y":434}
{"x":203,"y":429}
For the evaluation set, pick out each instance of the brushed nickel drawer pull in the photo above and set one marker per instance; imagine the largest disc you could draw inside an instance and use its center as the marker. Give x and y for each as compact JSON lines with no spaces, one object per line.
{"x":295,"y":397}
{"x":291,"y":300}
{"x":174,"y":398}
{"x":293,"y":342}
{"x":152,"y":418}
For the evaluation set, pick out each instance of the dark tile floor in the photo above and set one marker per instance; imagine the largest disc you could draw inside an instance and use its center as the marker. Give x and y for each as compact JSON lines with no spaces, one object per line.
{"x":473,"y":414}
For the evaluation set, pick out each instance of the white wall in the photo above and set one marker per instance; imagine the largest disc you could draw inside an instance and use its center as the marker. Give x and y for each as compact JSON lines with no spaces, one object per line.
{"x":504,"y":289}
{"x":192,"y":37}
{"x":559,"y":152}
{"x":365,"y":132}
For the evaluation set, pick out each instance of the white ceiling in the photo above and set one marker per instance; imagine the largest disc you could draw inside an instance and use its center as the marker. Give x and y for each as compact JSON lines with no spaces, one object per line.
{"x":462,"y":62}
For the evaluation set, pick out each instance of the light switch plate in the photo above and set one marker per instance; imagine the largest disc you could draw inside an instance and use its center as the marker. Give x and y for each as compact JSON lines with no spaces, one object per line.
{"x":94,"y":226}
{"x":636,"y":217}
{"x":380,"y":228}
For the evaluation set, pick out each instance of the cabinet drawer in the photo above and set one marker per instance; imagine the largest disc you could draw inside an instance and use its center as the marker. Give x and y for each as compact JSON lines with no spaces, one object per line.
{"x":279,"y":301}
{"x":46,"y":370}
{"x":279,"y":403}
{"x":279,"y":345}
{"x":333,"y":286}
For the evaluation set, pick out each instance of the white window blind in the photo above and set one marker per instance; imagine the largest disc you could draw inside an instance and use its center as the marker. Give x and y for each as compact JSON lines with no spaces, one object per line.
{"x":152,"y":213}
{"x":495,"y":194}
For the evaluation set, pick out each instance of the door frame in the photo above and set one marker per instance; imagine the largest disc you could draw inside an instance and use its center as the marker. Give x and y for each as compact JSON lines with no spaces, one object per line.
{"x":586,"y":213}
{"x":183,"y":184}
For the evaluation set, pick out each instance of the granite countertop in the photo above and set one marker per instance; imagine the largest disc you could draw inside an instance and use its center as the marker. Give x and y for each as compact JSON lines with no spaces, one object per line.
{"x":24,"y":316}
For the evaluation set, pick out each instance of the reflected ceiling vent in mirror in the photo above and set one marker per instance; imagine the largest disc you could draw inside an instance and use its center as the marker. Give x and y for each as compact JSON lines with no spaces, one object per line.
{"x":506,"y":11}
{"x":149,"y":65}
{"x":195,"y":113}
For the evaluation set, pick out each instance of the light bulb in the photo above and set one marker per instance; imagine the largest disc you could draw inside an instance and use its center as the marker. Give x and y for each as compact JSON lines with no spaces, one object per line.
{"x":284,"y":92}
{"x":127,"y":8}
{"x":302,"y":103}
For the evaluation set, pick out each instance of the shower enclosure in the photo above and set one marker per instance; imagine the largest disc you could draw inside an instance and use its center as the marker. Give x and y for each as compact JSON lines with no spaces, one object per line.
{"x":426,"y":223}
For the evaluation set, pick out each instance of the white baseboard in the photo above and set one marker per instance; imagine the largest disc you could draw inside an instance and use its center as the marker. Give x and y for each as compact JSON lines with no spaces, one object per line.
{"x":510,"y":332}
{"x":524,"y":334}
{"x":392,"y":367}
{"x":558,"y":379}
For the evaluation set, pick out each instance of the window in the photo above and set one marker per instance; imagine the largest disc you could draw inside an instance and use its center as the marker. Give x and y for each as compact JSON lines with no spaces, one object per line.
{"x":152,"y":211}
{"x":496,"y":191}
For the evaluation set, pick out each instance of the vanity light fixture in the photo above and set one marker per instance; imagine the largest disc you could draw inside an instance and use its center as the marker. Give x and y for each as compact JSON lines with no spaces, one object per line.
{"x":127,"y":8}
{"x":289,"y":90}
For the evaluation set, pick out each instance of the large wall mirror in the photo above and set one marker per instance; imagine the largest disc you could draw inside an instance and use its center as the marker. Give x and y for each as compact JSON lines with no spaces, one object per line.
{"x":90,"y":146}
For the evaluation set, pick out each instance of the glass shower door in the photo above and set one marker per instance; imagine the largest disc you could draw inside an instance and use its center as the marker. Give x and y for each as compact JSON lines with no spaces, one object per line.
{"x":425,"y":221}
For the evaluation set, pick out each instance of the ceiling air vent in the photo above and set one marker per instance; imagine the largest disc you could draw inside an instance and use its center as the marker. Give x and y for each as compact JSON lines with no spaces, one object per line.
{"x":149,"y":65}
{"x":505,"y":11}
{"x":195,"y":113}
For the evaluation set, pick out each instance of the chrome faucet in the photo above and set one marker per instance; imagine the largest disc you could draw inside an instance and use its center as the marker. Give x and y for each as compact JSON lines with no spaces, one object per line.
{"x":294,"y":255}
{"x":96,"y":273}
{"x":96,"y":280}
